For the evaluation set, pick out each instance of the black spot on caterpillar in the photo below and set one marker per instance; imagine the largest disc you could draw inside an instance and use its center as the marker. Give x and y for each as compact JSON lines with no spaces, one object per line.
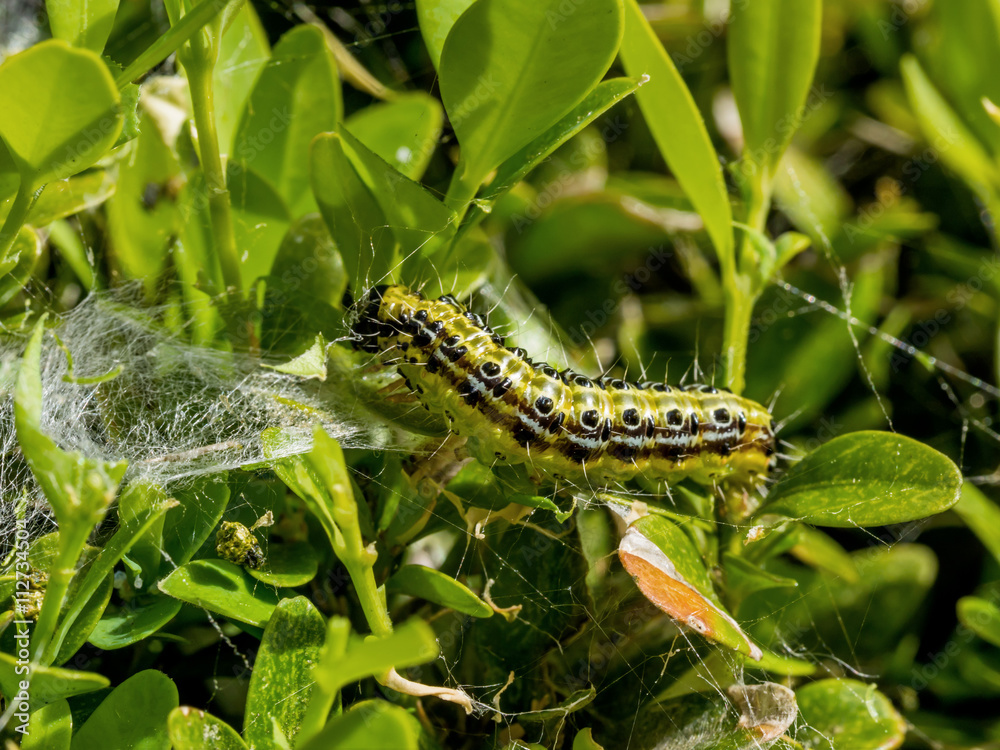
{"x":562,"y":424}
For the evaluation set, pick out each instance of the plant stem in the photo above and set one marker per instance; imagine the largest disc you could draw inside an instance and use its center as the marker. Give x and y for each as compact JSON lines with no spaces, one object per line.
{"x":15,"y":219}
{"x":71,"y":542}
{"x":203,"y":103}
{"x":740,"y":296}
{"x":372,"y":603}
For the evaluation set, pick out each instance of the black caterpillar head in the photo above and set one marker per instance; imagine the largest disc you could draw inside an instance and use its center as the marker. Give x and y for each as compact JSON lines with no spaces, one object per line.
{"x":367,"y":326}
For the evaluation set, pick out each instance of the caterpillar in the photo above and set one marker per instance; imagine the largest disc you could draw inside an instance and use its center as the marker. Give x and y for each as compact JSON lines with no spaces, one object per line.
{"x":562,"y":424}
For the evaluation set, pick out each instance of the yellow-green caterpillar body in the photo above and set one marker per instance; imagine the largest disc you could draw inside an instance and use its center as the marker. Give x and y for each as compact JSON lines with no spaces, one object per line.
{"x":562,"y":424}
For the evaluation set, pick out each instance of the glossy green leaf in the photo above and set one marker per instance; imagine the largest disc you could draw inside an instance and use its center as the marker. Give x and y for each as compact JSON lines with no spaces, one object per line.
{"x":194,"y":729}
{"x":130,"y":623}
{"x":982,"y":516}
{"x":981,"y":616}
{"x":434,"y":586}
{"x":678,"y":128}
{"x":61,"y":110}
{"x":584,"y":740}
{"x":296,"y":97}
{"x":436,"y":17}
{"x":146,"y":698}
{"x":415,"y":215}
{"x":281,"y":684}
{"x":223,"y":588}
{"x":260,"y":221}
{"x":49,"y":684}
{"x":354,"y":218}
{"x":866,"y":479}
{"x":841,"y":713}
{"x":412,"y":643}
{"x":944,"y":129}
{"x":404,"y":132}
{"x":773,"y":47}
{"x":86,"y":25}
{"x":200,"y":506}
{"x":243,"y":53}
{"x":502,"y":95}
{"x":288,"y":565}
{"x":49,"y":728}
{"x":960,"y":49}
{"x":367,"y":725}
{"x":85,"y":615}
{"x":66,"y":197}
{"x":309,"y":264}
{"x":604,"y":96}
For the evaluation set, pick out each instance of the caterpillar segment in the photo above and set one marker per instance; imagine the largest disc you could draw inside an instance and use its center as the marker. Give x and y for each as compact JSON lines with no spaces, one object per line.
{"x":562,"y":424}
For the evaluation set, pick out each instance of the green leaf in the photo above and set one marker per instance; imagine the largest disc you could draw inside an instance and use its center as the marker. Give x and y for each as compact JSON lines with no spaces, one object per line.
{"x":436,"y":17}
{"x":309,"y":264}
{"x":146,"y":699}
{"x":67,"y":197}
{"x":296,"y":97}
{"x":403,"y":132}
{"x":434,"y":586}
{"x":502,"y":95}
{"x":243,"y":53}
{"x":773,"y":47}
{"x":981,"y":616}
{"x":49,"y":728}
{"x":288,"y":565}
{"x":604,"y":96}
{"x":866,"y":479}
{"x":48,"y":684}
{"x":200,"y":507}
{"x":354,"y":218}
{"x":957,"y":147}
{"x":841,"y":713}
{"x":61,"y":108}
{"x":86,"y":25}
{"x":960,"y":46}
{"x":368,"y":725}
{"x":223,"y":588}
{"x":584,"y":740}
{"x":310,"y":364}
{"x":194,"y":729}
{"x":678,"y":128}
{"x":416,"y":216}
{"x":412,"y":643}
{"x":260,"y":221}
{"x":281,"y":684}
{"x":132,"y":622}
